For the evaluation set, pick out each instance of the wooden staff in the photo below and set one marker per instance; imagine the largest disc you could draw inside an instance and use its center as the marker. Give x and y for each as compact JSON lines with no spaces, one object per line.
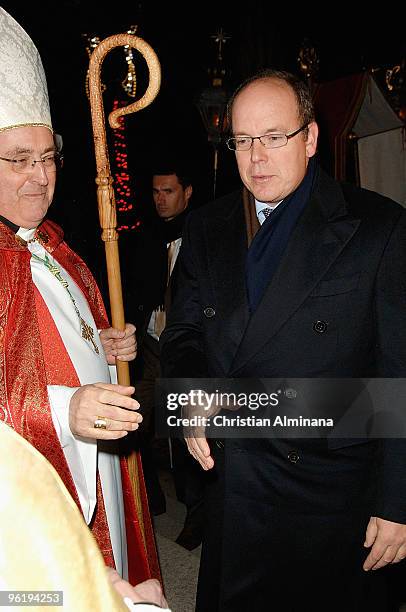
{"x":105,"y":191}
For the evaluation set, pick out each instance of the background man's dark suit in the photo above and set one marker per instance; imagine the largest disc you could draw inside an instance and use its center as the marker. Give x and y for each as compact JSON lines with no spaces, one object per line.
{"x":146,"y":288}
{"x":336,"y":307}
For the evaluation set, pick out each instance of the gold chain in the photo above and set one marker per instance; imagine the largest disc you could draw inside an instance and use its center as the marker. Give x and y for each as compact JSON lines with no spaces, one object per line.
{"x":86,"y":329}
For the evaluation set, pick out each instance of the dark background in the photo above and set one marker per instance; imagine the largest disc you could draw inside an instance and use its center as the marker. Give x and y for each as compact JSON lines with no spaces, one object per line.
{"x":180,"y":34}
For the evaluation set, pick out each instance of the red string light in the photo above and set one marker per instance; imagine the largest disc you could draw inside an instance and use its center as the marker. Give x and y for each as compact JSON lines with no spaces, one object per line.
{"x":122,"y":185}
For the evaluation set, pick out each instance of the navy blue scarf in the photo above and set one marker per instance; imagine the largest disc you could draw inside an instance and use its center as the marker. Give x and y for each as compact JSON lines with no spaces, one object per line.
{"x":270,"y":241}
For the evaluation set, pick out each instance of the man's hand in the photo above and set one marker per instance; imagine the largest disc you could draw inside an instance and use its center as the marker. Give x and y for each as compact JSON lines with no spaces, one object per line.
{"x":195,"y":437}
{"x":388,"y":541}
{"x":200,"y":450}
{"x":112,"y":402}
{"x":148,"y":591}
{"x":118,"y":344}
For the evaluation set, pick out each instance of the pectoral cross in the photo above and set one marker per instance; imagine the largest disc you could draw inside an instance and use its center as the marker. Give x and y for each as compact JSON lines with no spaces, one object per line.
{"x":88,"y":334}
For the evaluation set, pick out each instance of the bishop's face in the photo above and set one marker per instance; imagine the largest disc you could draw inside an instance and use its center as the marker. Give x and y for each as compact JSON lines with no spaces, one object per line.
{"x":25,"y":198}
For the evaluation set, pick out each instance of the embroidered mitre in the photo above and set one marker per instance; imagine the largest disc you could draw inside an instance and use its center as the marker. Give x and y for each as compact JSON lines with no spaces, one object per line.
{"x":23,"y":88}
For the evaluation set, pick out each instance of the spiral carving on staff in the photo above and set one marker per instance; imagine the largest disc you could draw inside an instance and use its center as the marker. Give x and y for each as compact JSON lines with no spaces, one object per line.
{"x":105,"y":192}
{"x":96,"y":101}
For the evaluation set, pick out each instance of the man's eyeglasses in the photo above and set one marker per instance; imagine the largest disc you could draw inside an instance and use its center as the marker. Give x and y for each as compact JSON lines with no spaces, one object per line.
{"x":269,"y":141}
{"x":25,"y":164}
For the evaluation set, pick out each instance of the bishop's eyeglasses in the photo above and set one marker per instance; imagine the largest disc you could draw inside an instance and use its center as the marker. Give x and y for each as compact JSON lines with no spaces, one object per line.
{"x":25,"y":164}
{"x":272,"y":140}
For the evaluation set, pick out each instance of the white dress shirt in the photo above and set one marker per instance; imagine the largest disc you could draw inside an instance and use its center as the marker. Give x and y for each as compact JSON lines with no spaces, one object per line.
{"x":151,"y":324}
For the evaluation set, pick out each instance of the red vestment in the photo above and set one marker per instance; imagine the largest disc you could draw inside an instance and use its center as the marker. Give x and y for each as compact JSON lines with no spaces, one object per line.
{"x":26,"y":368}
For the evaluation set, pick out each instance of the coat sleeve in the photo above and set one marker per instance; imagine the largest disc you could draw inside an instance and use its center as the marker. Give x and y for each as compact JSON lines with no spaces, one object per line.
{"x":390,"y":305}
{"x":390,"y":317}
{"x":181,"y":343}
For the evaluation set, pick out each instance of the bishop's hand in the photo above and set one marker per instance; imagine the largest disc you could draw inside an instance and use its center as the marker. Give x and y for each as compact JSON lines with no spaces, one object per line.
{"x":103,"y":411}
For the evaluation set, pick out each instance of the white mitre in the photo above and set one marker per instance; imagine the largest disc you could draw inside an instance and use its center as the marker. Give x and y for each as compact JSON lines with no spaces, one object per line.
{"x":23,"y":87}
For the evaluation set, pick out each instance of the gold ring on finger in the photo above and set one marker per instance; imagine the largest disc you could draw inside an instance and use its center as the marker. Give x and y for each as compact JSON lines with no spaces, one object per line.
{"x":100,"y":423}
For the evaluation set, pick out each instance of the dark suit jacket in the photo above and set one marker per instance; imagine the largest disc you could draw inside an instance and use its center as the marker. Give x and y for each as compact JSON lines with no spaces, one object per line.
{"x":336,"y":307}
{"x":144,"y":275}
{"x":146,"y":269}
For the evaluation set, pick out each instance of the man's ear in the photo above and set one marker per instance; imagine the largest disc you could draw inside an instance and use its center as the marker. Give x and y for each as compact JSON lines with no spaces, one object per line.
{"x":188,"y":194}
{"x":311,"y":141}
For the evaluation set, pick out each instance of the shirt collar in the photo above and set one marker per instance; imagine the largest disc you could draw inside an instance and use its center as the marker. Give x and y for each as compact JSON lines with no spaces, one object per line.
{"x":260,"y":206}
{"x":26,"y":234}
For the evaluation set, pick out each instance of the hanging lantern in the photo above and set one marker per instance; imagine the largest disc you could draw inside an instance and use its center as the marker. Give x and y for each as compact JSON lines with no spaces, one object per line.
{"x":212,"y":102}
{"x":308,"y":61}
{"x":212,"y":105}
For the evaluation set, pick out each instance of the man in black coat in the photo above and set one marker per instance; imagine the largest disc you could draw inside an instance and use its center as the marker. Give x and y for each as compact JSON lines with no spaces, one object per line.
{"x":153,"y":286}
{"x":293,"y":276}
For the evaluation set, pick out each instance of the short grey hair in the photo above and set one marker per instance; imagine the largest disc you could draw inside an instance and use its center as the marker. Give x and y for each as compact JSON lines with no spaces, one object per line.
{"x":299,"y":87}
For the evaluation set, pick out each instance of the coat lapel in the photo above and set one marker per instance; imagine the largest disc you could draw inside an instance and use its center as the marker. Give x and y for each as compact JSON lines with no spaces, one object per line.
{"x":319,"y":237}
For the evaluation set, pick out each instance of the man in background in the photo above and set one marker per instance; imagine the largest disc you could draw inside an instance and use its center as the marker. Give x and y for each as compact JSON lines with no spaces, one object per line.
{"x":157,"y":254}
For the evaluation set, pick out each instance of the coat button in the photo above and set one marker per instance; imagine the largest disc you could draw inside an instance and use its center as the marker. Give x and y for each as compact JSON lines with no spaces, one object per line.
{"x":320,"y":326}
{"x":209,"y":312}
{"x":293,"y":456}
